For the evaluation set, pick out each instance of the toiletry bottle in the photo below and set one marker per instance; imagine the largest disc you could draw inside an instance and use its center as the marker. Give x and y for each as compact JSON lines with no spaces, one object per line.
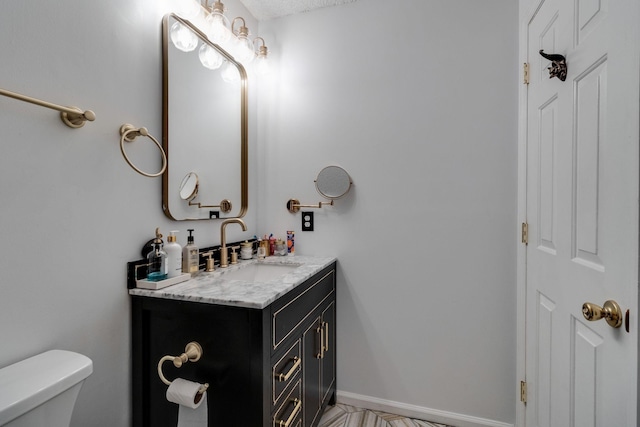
{"x":291,"y":243}
{"x":174,"y":255}
{"x":246,"y":250}
{"x":261,"y":252}
{"x":265,"y":247}
{"x":190,"y":256}
{"x":157,"y":260}
{"x":272,"y":246}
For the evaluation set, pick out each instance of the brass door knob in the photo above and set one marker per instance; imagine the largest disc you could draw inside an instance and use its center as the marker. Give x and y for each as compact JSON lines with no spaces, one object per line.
{"x":610,"y":312}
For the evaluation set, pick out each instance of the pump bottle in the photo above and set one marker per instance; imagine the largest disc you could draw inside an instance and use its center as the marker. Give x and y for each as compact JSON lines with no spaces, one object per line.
{"x":157,"y":260}
{"x":174,"y":255}
{"x":190,"y":256}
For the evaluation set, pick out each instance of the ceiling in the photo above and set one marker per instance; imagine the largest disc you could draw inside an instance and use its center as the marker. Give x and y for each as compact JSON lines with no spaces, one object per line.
{"x":268,"y":9}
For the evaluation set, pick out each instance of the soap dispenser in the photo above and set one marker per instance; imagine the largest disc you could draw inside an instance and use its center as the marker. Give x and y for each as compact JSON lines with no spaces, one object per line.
{"x":190,"y":257}
{"x":174,"y":255}
{"x":157,"y":260}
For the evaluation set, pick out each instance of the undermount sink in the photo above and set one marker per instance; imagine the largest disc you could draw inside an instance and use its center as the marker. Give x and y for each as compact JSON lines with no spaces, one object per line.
{"x":259,"y":272}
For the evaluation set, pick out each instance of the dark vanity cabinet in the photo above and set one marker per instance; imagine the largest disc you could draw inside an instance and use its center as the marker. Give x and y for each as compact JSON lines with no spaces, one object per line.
{"x":274,"y":366}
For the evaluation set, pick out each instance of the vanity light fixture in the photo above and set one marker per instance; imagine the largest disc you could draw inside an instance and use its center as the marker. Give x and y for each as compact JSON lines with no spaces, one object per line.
{"x":210,"y":20}
{"x":243,"y":49}
{"x":219,"y":30}
{"x":262,"y":62}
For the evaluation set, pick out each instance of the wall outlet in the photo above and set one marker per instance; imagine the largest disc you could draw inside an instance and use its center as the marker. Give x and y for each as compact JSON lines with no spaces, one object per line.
{"x":307,"y":221}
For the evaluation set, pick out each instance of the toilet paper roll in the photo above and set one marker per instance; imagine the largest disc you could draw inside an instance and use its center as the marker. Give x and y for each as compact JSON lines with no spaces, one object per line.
{"x":185,"y":393}
{"x":192,"y":411}
{"x":188,"y":417}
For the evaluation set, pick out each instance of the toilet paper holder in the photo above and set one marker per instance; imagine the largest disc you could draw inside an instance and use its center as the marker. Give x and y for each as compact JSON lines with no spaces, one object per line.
{"x":192,"y":353}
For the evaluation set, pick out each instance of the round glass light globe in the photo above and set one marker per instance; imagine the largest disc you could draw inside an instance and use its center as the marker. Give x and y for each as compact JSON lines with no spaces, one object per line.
{"x":187,"y":9}
{"x":230,"y":73}
{"x":244,"y":51}
{"x":183,"y":38}
{"x":261,"y":65}
{"x":209,"y":57}
{"x":218,"y":31}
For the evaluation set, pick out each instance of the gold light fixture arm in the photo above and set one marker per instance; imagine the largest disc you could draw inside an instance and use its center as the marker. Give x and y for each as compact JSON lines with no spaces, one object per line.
{"x":71,"y":116}
{"x":293,"y":205}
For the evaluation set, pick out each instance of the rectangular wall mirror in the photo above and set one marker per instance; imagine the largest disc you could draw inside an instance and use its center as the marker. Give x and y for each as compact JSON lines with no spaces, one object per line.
{"x":204,"y":126}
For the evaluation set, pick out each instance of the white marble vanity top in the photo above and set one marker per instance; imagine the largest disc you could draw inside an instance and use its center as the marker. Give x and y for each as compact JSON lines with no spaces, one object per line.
{"x":214,"y":288}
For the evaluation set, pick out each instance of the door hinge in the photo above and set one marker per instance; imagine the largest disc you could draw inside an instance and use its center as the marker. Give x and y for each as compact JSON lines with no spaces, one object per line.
{"x":525,"y":233}
{"x":525,"y":73}
{"x":523,"y":392}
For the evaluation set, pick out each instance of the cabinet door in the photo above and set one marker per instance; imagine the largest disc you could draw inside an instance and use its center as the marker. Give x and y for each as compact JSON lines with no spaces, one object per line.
{"x":328,"y":359}
{"x":311,"y":354}
{"x":319,"y":363}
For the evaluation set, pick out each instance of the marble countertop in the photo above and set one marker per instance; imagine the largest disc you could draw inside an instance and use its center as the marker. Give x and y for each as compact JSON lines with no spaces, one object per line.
{"x":215,"y":288}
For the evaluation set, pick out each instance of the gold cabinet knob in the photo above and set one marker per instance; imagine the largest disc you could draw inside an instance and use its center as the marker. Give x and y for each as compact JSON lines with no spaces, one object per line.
{"x":610,"y":312}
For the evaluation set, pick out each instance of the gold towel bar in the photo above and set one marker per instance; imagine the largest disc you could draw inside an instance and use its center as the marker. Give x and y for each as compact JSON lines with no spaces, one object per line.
{"x":71,"y":116}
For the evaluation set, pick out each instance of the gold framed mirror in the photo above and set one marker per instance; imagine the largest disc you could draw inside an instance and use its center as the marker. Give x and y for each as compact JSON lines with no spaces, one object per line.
{"x":205,"y":126}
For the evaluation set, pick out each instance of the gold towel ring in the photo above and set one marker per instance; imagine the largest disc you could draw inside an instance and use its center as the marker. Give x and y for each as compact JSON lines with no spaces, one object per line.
{"x":129,"y":133}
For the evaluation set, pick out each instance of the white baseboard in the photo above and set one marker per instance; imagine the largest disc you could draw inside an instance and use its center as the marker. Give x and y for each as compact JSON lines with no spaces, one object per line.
{"x":413,"y":411}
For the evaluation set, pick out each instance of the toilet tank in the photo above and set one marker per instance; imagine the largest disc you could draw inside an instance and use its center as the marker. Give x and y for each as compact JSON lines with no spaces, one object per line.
{"x":42,"y":390}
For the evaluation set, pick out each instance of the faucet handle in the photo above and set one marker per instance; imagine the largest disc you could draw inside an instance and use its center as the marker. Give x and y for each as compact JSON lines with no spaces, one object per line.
{"x":210,"y":261}
{"x":234,"y":254}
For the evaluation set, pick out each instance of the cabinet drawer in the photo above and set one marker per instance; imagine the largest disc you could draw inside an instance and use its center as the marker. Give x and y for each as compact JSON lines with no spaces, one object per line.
{"x":290,"y":313}
{"x":289,"y":414}
{"x":285,"y":371}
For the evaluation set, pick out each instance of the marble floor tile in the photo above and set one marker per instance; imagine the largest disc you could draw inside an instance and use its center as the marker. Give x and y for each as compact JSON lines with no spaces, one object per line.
{"x":342,"y":415}
{"x":334,"y":416}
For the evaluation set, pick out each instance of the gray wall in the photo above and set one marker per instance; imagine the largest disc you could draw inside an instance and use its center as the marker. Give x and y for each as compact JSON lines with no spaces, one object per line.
{"x":417,"y":100}
{"x":424,"y":121}
{"x":73,"y":212}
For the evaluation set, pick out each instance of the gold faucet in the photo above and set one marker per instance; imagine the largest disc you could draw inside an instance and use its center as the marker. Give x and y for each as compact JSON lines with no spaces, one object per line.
{"x":223,"y":239}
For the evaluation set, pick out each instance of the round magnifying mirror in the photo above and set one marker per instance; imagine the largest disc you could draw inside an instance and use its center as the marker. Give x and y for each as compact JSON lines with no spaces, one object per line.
{"x":333,"y":182}
{"x":189,"y":186}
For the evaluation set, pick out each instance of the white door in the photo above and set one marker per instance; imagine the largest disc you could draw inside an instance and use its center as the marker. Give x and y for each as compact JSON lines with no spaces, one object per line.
{"x":582,"y":193}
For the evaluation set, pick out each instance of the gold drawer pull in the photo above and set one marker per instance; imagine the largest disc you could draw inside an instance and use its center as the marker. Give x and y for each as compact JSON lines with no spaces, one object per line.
{"x":293,"y":415}
{"x":285,"y":377}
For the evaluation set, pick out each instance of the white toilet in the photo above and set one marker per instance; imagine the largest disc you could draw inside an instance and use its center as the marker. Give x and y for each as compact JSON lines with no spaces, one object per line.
{"x":42,"y":390}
